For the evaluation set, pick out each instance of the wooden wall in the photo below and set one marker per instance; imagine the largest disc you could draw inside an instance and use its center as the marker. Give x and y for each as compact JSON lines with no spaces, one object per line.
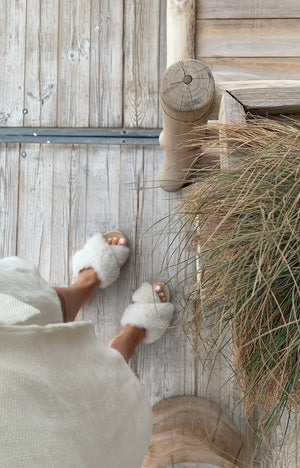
{"x":74,"y":63}
{"x":249,"y":39}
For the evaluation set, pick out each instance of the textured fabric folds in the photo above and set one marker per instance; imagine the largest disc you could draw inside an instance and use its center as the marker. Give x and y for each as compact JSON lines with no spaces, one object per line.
{"x":66,"y":399}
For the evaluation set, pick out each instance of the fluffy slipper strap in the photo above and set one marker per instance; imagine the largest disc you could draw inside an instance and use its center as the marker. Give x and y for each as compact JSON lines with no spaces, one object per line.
{"x":106,"y":259}
{"x":148,"y":312}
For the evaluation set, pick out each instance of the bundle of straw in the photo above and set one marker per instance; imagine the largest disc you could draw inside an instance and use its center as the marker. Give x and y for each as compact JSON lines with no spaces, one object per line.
{"x":247,"y":221}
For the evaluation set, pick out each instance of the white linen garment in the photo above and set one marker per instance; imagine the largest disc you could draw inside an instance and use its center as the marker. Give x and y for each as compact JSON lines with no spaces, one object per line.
{"x":66,"y":399}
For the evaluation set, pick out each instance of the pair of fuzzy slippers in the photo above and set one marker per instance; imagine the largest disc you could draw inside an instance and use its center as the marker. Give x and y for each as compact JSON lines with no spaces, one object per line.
{"x":146,"y":311}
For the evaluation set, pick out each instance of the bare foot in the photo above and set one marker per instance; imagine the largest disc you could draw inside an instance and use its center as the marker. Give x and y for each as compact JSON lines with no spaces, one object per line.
{"x":89,"y":274}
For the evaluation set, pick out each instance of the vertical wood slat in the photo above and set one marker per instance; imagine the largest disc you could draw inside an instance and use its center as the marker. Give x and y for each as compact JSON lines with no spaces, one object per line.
{"x":9,"y":189}
{"x":112,"y":203}
{"x":35,"y":201}
{"x":61,"y":200}
{"x":32,"y":78}
{"x":49,"y":62}
{"x":106,"y":63}
{"x":12,"y":36}
{"x":165,"y":368}
{"x":141,"y":53}
{"x":163,"y":50}
{"x":74,"y":57}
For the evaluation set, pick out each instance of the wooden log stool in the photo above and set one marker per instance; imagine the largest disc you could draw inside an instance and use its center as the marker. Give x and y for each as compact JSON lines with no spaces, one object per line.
{"x":186,"y":97}
{"x":192,"y":429}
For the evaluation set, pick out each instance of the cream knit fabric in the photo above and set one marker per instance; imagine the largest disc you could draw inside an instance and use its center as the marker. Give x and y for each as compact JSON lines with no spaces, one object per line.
{"x":66,"y":399}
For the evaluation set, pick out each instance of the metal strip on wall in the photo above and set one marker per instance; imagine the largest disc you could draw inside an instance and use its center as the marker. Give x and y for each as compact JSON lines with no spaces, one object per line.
{"x":101,"y":136}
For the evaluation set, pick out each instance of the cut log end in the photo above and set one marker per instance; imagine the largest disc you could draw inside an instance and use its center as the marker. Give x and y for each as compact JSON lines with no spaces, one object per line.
{"x":187,"y":90}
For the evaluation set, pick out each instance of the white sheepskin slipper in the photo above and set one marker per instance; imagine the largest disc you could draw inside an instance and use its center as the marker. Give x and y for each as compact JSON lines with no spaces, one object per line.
{"x":148,"y":312}
{"x":106,"y":259}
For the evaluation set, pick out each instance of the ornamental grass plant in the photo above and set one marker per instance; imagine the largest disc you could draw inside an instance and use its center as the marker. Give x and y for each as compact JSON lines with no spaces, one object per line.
{"x":245,"y":222}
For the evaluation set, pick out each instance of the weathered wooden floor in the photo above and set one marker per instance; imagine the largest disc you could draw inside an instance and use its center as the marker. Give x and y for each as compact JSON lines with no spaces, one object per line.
{"x":56,"y":197}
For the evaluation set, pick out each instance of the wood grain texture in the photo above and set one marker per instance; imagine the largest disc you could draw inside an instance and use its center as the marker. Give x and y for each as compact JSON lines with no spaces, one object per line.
{"x":106,"y":63}
{"x":35,"y":201}
{"x":162,"y":49}
{"x":74,"y":66}
{"x":180,"y":30}
{"x":61,"y":222}
{"x":49,"y":27}
{"x":253,"y":68}
{"x":227,"y":9}
{"x":9,"y":194}
{"x":268,"y":100}
{"x":12,"y":57}
{"x":248,"y":38}
{"x":66,"y":193}
{"x":32,"y":97}
{"x":188,"y":428}
{"x":166,"y":368}
{"x":141,"y":59}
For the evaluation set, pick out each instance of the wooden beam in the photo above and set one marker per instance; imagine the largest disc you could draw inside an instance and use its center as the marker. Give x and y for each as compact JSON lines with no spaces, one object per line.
{"x":231,"y":112}
{"x":268,"y":100}
{"x":259,"y":9}
{"x":248,"y":38}
{"x":186,"y":96}
{"x":180,"y":30}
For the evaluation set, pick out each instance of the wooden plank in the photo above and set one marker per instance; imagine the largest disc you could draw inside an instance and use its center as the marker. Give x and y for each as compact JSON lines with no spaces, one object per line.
{"x":106,"y":63}
{"x":166,"y":368}
{"x":78,"y":201}
{"x":49,"y":61}
{"x":221,"y":9}
{"x":180,"y":30}
{"x":253,"y":68}
{"x":61,"y":200}
{"x":231,"y":112}
{"x":35,"y":200}
{"x":112,"y":203}
{"x":32,"y":97}
{"x":268,"y":100}
{"x":162,"y":49}
{"x":9,"y":191}
{"x":12,"y":36}
{"x":74,"y":53}
{"x":248,"y":38}
{"x":141,"y":57}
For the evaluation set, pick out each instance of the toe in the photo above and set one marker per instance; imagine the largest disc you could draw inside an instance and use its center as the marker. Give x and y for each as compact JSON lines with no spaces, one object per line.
{"x":109,"y":240}
{"x":114,"y":240}
{"x":159,"y":291}
{"x":122,"y":241}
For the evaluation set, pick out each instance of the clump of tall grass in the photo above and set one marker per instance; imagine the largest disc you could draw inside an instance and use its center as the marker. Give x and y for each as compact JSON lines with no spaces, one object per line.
{"x":246,"y":220}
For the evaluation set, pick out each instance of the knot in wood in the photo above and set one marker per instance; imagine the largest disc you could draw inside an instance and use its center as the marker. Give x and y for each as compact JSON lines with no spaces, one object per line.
{"x":187,"y":79}
{"x":187,"y":90}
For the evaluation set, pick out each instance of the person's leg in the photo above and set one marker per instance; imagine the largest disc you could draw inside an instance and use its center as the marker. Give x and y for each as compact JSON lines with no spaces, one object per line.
{"x":75,"y":297}
{"x":130,"y":336}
